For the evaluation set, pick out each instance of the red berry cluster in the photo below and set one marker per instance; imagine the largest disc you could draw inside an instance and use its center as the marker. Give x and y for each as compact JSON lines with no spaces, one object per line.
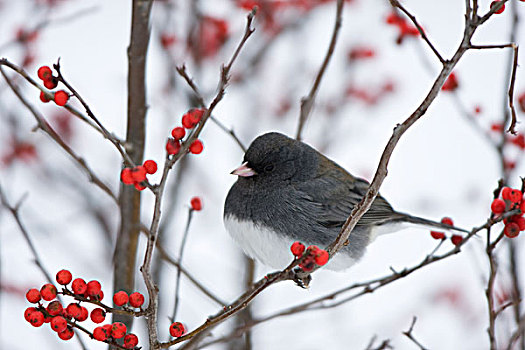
{"x":177,"y":329}
{"x":405,"y":29}
{"x":135,"y":176}
{"x":511,"y":199}
{"x":63,"y":320}
{"x":361,"y":53}
{"x":50,"y":81}
{"x":190,"y":119}
{"x":455,"y":238}
{"x":314,"y":255}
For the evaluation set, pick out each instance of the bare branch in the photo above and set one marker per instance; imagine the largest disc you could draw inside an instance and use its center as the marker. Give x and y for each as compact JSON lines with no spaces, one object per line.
{"x":307,"y":102}
{"x":395,"y":3}
{"x":411,"y":336}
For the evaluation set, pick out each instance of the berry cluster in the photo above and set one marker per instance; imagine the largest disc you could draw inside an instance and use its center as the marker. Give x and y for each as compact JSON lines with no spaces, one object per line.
{"x":314,"y":255}
{"x":189,"y":120}
{"x":455,"y":238}
{"x":511,"y":199}
{"x":63,"y":320}
{"x":137,"y":175}
{"x":50,"y":81}
{"x":405,"y":29}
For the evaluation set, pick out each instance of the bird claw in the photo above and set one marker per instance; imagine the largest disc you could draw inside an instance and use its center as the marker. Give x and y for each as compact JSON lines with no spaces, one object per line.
{"x":301,"y":278}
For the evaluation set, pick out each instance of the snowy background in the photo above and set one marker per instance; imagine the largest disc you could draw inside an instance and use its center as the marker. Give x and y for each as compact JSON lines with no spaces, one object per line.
{"x":443,"y":166}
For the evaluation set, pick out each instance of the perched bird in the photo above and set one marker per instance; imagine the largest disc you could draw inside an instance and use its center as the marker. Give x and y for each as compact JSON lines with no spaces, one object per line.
{"x":287,"y":191}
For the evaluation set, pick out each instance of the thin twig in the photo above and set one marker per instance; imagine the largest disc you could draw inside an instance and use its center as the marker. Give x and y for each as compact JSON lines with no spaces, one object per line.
{"x":396,"y":3}
{"x":411,"y":336}
{"x":45,"y":127}
{"x":181,"y":255}
{"x":307,"y":102}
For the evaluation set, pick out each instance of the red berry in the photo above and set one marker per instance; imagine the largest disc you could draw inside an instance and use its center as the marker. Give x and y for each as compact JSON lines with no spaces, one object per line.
{"x":36,"y":318}
{"x":66,"y":334}
{"x":120,"y":298}
{"x":61,"y":97}
{"x":93,"y":288}
{"x":138,"y":173}
{"x":196,"y":203}
{"x":515,"y":196}
{"x":451,"y":83}
{"x":150,"y":166}
{"x":139,"y":187}
{"x":520,"y":220}
{"x":64,"y":277}
{"x":196,"y":147}
{"x":74,"y":310}
{"x":437,"y":235}
{"x":33,"y":295}
{"x":84,"y":314}
{"x":498,"y":206}
{"x":177,"y":329}
{"x":178,"y":133}
{"x":28,"y":312}
{"x":321,"y":257}
{"x":494,"y":3}
{"x":48,"y":292}
{"x":447,"y":221}
{"x":98,"y":315}
{"x":192,"y":118}
{"x":167,"y":40}
{"x":126,"y":176}
{"x":297,"y":249}
{"x":522,"y":207}
{"x":51,"y":83}
{"x":98,"y":296}
{"x":43,"y":97}
{"x":118,"y":330}
{"x":456,"y":239}
{"x":172,"y":146}
{"x":55,"y":308}
{"x":101,"y":333}
{"x":58,"y":324}
{"x":511,"y":229}
{"x":136,"y":299}
{"x":79,"y":286}
{"x":477,"y":110}
{"x":497,"y":127}
{"x":519,"y":141}
{"x":130,"y":341}
{"x":44,"y":72}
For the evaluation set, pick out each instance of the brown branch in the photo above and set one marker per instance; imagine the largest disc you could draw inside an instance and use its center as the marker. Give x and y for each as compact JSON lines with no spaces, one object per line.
{"x":46,"y":128}
{"x":145,"y":269}
{"x":30,"y":80}
{"x":105,"y":132}
{"x":517,"y":334}
{"x":411,"y":336}
{"x":366,"y":287}
{"x":307,"y":102}
{"x":396,"y":4}
{"x":181,"y":255}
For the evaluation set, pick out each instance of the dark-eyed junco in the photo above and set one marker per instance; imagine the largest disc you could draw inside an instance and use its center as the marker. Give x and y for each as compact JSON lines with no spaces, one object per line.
{"x":287,"y":191}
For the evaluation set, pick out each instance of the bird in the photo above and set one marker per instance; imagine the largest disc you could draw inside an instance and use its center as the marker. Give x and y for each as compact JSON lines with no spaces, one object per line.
{"x":286,"y":191}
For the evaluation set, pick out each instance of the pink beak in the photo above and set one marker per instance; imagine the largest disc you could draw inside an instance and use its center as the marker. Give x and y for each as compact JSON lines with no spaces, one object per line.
{"x":244,"y":171}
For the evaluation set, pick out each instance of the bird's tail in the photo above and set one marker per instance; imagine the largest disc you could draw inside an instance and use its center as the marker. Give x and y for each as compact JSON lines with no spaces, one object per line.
{"x":434,"y":224}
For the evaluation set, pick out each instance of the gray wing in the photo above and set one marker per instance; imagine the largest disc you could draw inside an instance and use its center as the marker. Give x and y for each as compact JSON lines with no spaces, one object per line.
{"x":334,"y":195}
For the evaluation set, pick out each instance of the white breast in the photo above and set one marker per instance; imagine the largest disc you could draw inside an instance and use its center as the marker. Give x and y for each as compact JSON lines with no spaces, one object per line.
{"x":271,"y":249}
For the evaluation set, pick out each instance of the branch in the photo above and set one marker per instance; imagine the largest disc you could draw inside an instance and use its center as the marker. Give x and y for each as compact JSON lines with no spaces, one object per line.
{"x":395,"y":3}
{"x":308,"y":102}
{"x":411,"y":336}
{"x":45,"y":127}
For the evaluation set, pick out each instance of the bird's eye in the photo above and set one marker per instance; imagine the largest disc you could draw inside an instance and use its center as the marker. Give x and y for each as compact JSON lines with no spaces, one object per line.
{"x":268,"y":168}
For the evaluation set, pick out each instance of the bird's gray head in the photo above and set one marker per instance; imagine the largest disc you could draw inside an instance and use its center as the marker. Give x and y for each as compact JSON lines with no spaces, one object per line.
{"x":275,"y":158}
